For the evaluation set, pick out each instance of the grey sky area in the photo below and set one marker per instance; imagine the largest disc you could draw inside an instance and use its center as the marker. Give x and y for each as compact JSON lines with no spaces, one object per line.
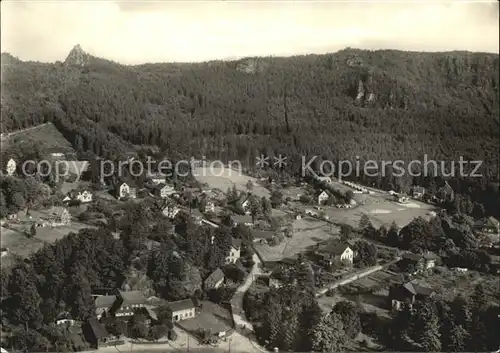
{"x":138,"y":32}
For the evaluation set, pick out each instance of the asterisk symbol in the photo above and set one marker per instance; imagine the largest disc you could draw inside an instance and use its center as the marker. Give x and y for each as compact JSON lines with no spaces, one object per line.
{"x":280,"y":161}
{"x":262,"y":161}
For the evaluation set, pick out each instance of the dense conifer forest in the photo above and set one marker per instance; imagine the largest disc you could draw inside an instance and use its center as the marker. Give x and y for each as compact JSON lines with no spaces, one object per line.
{"x":380,"y":105}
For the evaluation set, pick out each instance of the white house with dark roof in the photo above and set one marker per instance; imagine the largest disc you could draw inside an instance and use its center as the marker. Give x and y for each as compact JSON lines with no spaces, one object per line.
{"x":215,"y":279}
{"x":182,"y":309}
{"x":234,"y":251}
{"x":336,"y":252}
{"x":103,"y":304}
{"x":166,"y":190}
{"x":11,"y":167}
{"x":124,"y":190}
{"x":409,"y":292}
{"x":65,"y":319}
{"x":323,"y":197}
{"x":83,"y":196}
{"x":127,"y":302}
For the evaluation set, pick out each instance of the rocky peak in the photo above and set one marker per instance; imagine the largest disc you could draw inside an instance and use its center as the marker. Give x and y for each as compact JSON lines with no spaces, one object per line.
{"x":77,"y":56}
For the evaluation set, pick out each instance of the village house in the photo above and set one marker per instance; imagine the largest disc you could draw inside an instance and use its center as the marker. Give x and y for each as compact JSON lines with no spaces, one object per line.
{"x":209,"y":207}
{"x":58,"y":216}
{"x":182,"y":309}
{"x":197,"y":216}
{"x":445,"y":193}
{"x":157,"y":179}
{"x":487,"y":226}
{"x":124,"y":191}
{"x":96,"y":334}
{"x":414,"y":263}
{"x":65,"y":319}
{"x":262,"y":236}
{"x":103,"y":304}
{"x":325,"y":179}
{"x":56,"y":153}
{"x":242,"y":204}
{"x":323,"y":197}
{"x":171,"y":211}
{"x":164,"y":190}
{"x":401,"y":198}
{"x":242,"y":219}
{"x":417,"y":192}
{"x":234,"y":251}
{"x":277,"y":278}
{"x":84,"y":196}
{"x":215,"y":279}
{"x":409,"y":292}
{"x":335,"y":252}
{"x":127,"y":302}
{"x":11,"y":167}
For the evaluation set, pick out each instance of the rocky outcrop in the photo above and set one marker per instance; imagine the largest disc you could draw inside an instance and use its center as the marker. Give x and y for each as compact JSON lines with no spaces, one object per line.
{"x":251,"y":65}
{"x":77,"y":57}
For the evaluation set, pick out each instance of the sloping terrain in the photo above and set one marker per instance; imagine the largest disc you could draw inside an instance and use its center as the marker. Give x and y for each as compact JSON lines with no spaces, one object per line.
{"x":46,"y":134}
{"x":382,"y":105}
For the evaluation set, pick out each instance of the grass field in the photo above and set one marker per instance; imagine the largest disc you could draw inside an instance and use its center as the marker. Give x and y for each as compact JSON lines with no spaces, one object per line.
{"x":379,"y":208}
{"x":19,"y":244}
{"x":307,"y":232}
{"x":47,"y":134}
{"x":224,"y":178}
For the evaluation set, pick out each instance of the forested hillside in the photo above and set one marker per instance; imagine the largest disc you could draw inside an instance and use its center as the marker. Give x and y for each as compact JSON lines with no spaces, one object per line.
{"x":382,"y":105}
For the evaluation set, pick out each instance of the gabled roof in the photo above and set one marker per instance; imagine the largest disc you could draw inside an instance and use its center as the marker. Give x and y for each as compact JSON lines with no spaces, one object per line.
{"x":262,"y":234}
{"x":181,"y":305}
{"x":216,"y":276}
{"x":489,"y":222}
{"x":320,"y":192}
{"x":241,"y":199}
{"x":65,"y":315}
{"x":417,"y":289}
{"x":335,"y":248}
{"x":132,"y":297}
{"x":236,"y":243}
{"x":242,"y":219}
{"x":97,"y":328}
{"x":105,"y":301}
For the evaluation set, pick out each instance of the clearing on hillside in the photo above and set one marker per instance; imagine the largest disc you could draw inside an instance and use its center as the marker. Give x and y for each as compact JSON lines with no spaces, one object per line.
{"x":47,"y":134}
{"x":224,"y":178}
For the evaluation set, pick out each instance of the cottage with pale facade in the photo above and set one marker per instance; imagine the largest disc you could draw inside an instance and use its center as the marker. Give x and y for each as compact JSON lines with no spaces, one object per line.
{"x":234,"y":251}
{"x":124,"y":191}
{"x":182,"y":310}
{"x":84,"y":196}
{"x":11,"y":167}
{"x":165,"y":191}
{"x":336,"y":252}
{"x":215,"y":279}
{"x":323,"y":197}
{"x":171,"y":211}
{"x":127,"y":303}
{"x":418,"y":192}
